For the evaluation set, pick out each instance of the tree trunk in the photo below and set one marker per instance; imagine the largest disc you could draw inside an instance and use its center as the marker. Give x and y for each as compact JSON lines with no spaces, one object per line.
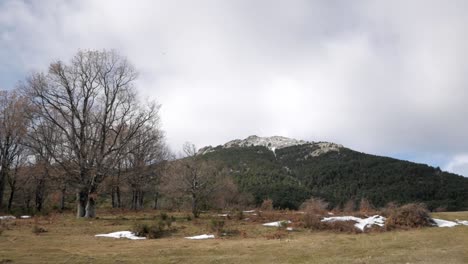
{"x":91,"y":207}
{"x":195,"y":211}
{"x":40,"y":194}
{"x":141,"y":199}
{"x":119,"y":204}
{"x":62,"y":199}
{"x":155,"y":201}
{"x":91,"y":203}
{"x":2,"y":185}
{"x":10,"y":200}
{"x":81,"y":198}
{"x":113,"y":199}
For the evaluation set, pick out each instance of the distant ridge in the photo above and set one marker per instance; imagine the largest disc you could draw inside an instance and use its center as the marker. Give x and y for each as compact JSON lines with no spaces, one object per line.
{"x":291,"y":170}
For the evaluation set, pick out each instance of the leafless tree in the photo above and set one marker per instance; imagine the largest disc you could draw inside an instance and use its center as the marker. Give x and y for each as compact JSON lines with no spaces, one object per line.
{"x":146,"y":152}
{"x":13,"y":123}
{"x":91,"y":103}
{"x":193,"y":178}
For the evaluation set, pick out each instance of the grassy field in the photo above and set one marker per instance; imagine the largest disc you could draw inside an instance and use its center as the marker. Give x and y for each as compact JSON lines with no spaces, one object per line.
{"x":69,"y":240}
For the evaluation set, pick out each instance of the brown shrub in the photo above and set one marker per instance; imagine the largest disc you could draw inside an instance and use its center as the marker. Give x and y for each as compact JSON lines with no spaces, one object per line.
{"x":313,"y":221}
{"x":365,"y":207}
{"x":315,"y":206}
{"x":349,"y":206}
{"x":408,"y":216}
{"x":267,"y":205}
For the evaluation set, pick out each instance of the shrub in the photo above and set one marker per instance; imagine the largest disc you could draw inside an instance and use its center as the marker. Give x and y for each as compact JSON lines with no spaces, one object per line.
{"x":267,"y":205}
{"x":408,"y":216}
{"x":217,"y":226}
{"x":240,"y":215}
{"x":315,"y":206}
{"x":153,"y":231}
{"x":349,"y":206}
{"x":313,"y":209}
{"x":312,"y":221}
{"x":365,"y":207}
{"x":188,"y":217}
{"x":164,"y":216}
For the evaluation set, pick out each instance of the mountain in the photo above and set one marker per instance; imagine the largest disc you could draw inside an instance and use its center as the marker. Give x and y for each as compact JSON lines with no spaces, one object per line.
{"x":289,"y":171}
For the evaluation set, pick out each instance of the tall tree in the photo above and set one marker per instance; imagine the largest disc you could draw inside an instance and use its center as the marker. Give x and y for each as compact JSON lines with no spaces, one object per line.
{"x":13,"y":123}
{"x":92,"y":104}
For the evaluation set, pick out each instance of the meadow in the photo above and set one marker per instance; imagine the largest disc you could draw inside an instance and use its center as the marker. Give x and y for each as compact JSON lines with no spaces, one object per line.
{"x":71,"y":240}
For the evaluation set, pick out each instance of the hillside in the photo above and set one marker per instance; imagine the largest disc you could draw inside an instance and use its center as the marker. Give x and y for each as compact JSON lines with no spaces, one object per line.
{"x":289,"y":171}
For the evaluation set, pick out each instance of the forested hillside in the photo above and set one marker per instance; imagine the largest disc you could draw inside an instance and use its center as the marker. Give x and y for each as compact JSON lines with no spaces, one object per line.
{"x":291,"y":174}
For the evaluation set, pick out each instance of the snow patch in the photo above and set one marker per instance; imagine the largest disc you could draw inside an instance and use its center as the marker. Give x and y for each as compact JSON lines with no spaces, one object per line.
{"x":249,"y":212}
{"x":121,"y":234}
{"x":462,"y":222}
{"x":272,"y":143}
{"x":277,"y":223}
{"x":25,"y":216}
{"x":204,"y":236}
{"x":444,"y":223}
{"x":324,"y":147}
{"x":7,"y":217}
{"x":361,"y":223}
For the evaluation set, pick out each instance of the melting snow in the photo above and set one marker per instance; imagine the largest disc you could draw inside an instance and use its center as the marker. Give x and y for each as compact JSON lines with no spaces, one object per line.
{"x":360,"y":223}
{"x":25,"y":216}
{"x":7,"y":217}
{"x":462,"y":222}
{"x":444,"y":223}
{"x":121,"y":234}
{"x":273,"y":143}
{"x":276,"y":224}
{"x":249,"y":212}
{"x":205,"y":236}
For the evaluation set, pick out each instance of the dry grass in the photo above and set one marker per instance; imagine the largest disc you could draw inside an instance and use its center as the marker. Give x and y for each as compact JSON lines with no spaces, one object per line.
{"x":69,"y":240}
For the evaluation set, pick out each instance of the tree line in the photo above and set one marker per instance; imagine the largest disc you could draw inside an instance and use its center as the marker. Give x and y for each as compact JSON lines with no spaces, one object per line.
{"x":81,"y":129}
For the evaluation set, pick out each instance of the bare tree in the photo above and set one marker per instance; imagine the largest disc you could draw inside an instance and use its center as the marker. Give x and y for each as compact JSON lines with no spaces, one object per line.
{"x":193,"y":178}
{"x":13,"y":123}
{"x":92,"y":104}
{"x":146,"y":151}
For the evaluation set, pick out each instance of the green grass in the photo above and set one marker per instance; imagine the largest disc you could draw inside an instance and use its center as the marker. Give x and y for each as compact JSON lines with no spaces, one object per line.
{"x":69,"y":240}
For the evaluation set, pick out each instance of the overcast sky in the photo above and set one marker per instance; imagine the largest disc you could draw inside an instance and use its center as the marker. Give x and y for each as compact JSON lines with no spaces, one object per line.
{"x":383,"y":77}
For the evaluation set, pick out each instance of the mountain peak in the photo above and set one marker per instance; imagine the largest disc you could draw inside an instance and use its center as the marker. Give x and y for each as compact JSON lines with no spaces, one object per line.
{"x":277,"y":142}
{"x":272,"y":143}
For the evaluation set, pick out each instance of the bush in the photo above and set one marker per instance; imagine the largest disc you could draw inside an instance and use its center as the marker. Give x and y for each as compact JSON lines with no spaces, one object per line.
{"x":408,"y":216}
{"x":217,"y":226}
{"x":267,"y":205}
{"x":188,"y":217}
{"x":240,"y":215}
{"x":349,"y":206}
{"x":164,"y":216}
{"x":312,"y":221}
{"x":153,"y":231}
{"x":315,"y":206}
{"x":313,"y":209}
{"x":365,"y":207}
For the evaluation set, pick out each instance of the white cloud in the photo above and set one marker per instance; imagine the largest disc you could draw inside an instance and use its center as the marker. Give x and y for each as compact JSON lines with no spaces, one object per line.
{"x":381,"y":77}
{"x":459,"y":165}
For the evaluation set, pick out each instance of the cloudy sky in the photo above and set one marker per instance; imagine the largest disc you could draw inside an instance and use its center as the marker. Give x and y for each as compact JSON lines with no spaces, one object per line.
{"x":384,"y":77}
